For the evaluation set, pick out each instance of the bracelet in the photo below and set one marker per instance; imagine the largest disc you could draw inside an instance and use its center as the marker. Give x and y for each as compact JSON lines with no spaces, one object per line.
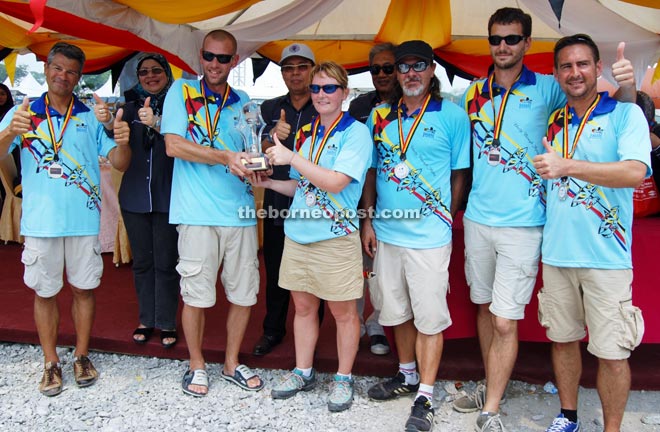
{"x":108,"y":124}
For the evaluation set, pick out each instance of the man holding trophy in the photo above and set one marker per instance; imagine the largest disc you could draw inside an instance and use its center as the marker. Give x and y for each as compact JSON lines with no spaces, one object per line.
{"x":200,"y":120}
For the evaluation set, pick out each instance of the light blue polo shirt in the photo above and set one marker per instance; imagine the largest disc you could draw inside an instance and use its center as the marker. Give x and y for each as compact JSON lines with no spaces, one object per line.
{"x":510,"y":193}
{"x":592,"y":226}
{"x":316,"y":214}
{"x":69,"y":205}
{"x":204,"y":194}
{"x":414,"y":211}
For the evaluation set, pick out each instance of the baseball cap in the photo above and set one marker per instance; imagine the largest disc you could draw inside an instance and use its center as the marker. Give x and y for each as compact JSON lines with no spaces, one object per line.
{"x":415,"y":48}
{"x":297,"y":50}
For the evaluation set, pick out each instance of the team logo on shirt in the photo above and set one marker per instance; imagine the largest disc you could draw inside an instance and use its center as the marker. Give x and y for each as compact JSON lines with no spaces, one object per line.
{"x":596,"y":133}
{"x":525,"y":103}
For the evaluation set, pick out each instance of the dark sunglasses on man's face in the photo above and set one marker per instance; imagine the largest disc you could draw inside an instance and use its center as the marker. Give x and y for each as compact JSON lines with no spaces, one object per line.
{"x":388,"y":69}
{"x":153,"y":70}
{"x":420,"y":66}
{"x":509,"y":40}
{"x":327,"y":88}
{"x":221,"y":58}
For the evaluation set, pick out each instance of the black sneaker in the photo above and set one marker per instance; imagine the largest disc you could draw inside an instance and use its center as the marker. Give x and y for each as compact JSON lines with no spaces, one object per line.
{"x":421,"y":416}
{"x":392,"y":388}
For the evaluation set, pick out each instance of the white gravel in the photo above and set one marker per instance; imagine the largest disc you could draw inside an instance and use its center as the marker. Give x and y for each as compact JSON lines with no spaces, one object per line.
{"x":144,"y":394}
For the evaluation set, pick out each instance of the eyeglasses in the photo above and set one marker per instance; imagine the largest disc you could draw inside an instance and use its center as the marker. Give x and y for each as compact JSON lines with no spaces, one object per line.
{"x":304,"y":67}
{"x":509,"y":40}
{"x":420,"y":66}
{"x":388,"y":69}
{"x":221,"y":58}
{"x":153,"y":70}
{"x":327,"y":88}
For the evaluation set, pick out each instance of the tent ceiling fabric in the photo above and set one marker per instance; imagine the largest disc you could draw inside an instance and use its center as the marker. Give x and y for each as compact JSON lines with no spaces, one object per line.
{"x":342,"y":30}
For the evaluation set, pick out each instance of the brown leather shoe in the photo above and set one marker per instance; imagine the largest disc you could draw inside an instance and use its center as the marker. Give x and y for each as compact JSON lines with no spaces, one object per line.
{"x":51,"y":381}
{"x":84,"y":371}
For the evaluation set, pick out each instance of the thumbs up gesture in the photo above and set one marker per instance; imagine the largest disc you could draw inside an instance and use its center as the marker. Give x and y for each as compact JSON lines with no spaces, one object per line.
{"x":121,"y":129}
{"x":622,"y":69}
{"x":278,"y":154}
{"x":22,"y":120}
{"x":282,"y":129}
{"x":146,"y":114}
{"x":102,"y":112}
{"x":550,"y":165}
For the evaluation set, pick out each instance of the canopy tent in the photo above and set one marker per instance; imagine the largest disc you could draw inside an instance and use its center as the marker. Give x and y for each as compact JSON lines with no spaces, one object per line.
{"x":342,"y":30}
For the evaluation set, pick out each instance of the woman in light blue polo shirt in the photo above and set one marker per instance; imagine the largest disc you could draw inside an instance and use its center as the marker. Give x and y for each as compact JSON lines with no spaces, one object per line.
{"x":322,"y":256}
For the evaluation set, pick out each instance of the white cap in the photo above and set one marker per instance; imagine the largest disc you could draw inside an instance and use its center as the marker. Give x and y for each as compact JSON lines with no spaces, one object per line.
{"x":297,"y":50}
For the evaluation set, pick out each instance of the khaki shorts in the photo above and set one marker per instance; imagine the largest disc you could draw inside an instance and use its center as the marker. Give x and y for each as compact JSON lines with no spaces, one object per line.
{"x":501,"y":264}
{"x":412,"y":284}
{"x":330,"y":269}
{"x":202,"y":249}
{"x":45,"y":258}
{"x":601,"y":300}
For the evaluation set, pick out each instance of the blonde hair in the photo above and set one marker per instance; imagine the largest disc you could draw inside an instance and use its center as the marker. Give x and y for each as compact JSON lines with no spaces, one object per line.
{"x":332,"y":70}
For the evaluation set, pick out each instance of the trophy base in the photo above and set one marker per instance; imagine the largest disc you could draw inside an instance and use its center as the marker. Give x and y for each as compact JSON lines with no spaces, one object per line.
{"x":257,"y":163}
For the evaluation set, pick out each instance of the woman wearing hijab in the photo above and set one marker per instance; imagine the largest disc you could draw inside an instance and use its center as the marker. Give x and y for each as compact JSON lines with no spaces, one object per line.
{"x":6,"y":100}
{"x":144,"y":198}
{"x":7,"y":103}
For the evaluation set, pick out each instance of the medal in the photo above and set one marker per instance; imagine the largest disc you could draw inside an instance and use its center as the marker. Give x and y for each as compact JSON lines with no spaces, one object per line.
{"x":562,"y":192}
{"x":310,"y":199}
{"x":401,"y":171}
{"x":494,"y":156}
{"x":55,"y":170}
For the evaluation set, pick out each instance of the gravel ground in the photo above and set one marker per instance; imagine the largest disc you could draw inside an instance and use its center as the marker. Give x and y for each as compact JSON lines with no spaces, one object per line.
{"x":143,"y":394}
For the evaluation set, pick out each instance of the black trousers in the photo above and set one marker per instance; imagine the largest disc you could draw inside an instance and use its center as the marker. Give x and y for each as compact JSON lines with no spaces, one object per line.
{"x":277,"y":298}
{"x":154,"y":246}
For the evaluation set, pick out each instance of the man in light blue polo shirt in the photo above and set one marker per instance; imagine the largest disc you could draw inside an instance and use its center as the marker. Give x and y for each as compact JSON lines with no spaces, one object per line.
{"x":596,"y":152}
{"x":208,"y":191}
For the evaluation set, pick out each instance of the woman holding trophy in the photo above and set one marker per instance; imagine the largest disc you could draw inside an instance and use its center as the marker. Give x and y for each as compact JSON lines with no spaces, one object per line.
{"x":322,"y":253}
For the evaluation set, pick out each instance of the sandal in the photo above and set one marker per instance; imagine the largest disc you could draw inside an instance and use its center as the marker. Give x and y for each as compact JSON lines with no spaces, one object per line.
{"x":143,"y":331}
{"x":241,"y":376}
{"x":168,"y":334}
{"x":197,"y":377}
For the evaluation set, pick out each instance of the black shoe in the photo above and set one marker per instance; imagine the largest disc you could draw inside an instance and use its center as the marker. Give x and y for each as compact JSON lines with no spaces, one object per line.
{"x":379,"y":345}
{"x":265,"y":344}
{"x":421,"y":416}
{"x":392,"y":388}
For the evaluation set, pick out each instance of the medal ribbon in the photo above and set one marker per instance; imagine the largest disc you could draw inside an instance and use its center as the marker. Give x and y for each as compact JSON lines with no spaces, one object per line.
{"x":583,"y":123}
{"x":405,"y":142}
{"x":210,"y":128}
{"x":324,"y":140}
{"x":57,"y":143}
{"x":497,"y":125}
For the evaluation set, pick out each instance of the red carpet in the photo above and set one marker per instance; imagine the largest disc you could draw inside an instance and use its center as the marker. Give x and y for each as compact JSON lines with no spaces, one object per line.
{"x":116,"y":318}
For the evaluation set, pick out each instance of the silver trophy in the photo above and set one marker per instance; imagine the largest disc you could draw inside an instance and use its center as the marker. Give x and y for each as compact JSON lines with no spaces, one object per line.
{"x":251,"y":129}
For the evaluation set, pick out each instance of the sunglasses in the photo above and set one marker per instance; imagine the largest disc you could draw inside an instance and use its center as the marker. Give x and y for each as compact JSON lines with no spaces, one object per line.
{"x":153,"y":70}
{"x":509,"y":40}
{"x":420,"y":66}
{"x":304,"y":67}
{"x":327,"y":88}
{"x":388,"y":69}
{"x":221,"y":58}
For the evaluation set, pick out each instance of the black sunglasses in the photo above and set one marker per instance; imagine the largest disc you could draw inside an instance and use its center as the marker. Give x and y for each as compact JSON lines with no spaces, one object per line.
{"x":221,"y":58}
{"x":420,"y":66}
{"x":153,"y":70}
{"x":327,"y":88}
{"x":509,"y":40}
{"x":388,"y":69}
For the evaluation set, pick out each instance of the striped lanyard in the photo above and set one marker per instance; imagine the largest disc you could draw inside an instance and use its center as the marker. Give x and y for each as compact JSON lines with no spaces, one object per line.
{"x":565,"y":153}
{"x":404,"y":142}
{"x":497,"y":120}
{"x":324,"y":140}
{"x":57,"y":143}
{"x":210,"y":128}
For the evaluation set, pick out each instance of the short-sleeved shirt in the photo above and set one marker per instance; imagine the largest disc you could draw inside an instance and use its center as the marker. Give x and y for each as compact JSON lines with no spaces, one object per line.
{"x":590,"y":226}
{"x":204,"y":194}
{"x":507,"y":191}
{"x":69,"y":205}
{"x":270,"y":111}
{"x":316,"y":214}
{"x":413,"y":211}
